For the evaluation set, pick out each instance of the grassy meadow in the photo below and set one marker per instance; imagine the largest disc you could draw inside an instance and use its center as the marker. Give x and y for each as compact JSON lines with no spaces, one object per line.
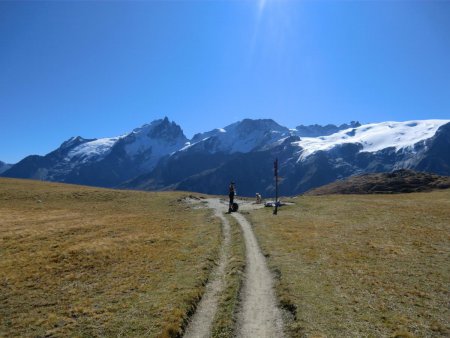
{"x":361,"y":265}
{"x":82,"y":262}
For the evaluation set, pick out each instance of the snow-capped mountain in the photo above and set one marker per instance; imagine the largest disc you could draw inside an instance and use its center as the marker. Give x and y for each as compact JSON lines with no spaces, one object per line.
{"x":243,"y":137}
{"x":373,"y":137}
{"x":305,"y":162}
{"x":83,"y":150}
{"x":105,"y":161}
{"x":148,"y":144}
{"x":159,"y":156}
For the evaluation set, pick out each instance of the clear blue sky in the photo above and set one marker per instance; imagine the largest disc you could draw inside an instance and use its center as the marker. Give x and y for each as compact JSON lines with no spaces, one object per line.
{"x":99,"y":69}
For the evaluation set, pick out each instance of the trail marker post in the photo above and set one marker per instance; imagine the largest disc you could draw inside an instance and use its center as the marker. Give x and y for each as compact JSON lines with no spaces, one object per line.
{"x":275,"y":169}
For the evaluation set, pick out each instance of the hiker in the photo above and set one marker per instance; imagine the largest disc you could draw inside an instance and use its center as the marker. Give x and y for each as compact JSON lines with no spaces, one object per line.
{"x":231,"y":193}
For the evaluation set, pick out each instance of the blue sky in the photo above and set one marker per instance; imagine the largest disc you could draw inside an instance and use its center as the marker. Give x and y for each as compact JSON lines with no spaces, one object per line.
{"x":100,"y":69}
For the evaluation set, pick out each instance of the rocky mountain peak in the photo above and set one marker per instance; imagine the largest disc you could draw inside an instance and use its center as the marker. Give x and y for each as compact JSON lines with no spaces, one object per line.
{"x":315,"y":130}
{"x":73,"y":142}
{"x":249,"y":125}
{"x":161,"y":129}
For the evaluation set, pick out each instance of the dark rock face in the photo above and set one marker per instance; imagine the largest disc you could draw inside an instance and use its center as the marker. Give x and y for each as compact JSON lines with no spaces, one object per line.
{"x":172,"y":171}
{"x":166,"y":131}
{"x":315,"y":130}
{"x":436,"y":157}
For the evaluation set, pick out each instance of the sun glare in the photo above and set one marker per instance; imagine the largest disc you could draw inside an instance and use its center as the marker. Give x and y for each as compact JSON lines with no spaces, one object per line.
{"x":261,"y":5}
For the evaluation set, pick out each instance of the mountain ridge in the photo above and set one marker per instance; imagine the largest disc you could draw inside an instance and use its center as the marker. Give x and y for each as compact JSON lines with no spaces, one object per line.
{"x":158,"y":156}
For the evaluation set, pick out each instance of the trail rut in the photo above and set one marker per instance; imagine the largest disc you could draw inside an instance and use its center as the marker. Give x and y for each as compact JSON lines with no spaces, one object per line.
{"x":201,"y":322}
{"x":259,"y":316}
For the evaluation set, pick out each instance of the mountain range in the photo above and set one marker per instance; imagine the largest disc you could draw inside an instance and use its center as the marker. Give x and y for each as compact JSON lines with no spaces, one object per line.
{"x":158,"y":156}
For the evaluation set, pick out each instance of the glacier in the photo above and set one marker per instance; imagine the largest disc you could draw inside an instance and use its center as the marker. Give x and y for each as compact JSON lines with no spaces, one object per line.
{"x":373,"y":136}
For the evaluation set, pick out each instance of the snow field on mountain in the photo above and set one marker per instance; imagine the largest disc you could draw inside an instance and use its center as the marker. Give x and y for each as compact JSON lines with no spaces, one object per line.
{"x":374,"y":136}
{"x":93,"y":149}
{"x":243,"y":136}
{"x":246,"y":136}
{"x":139,"y":142}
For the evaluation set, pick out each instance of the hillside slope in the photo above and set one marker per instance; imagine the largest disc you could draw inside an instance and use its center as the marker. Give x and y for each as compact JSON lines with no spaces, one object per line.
{"x":399,"y":181}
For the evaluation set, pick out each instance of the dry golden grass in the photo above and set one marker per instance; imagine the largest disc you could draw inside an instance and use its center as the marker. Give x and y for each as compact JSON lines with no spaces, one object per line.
{"x":78,"y":261}
{"x":362,"y":266}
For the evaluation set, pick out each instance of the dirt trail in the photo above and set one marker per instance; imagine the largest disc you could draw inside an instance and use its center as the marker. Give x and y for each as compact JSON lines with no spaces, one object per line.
{"x":259,"y":316}
{"x":201,"y":322}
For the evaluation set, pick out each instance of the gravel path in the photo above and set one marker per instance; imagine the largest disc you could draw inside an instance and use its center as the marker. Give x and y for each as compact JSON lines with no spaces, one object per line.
{"x":259,"y":316}
{"x":201,"y":322}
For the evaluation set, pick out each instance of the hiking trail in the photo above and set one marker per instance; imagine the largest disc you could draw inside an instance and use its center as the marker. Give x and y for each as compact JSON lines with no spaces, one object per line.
{"x":201,"y":322}
{"x":259,"y":315}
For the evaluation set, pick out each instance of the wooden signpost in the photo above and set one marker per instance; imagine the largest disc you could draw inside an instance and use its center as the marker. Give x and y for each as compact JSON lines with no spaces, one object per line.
{"x":275,"y":169}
